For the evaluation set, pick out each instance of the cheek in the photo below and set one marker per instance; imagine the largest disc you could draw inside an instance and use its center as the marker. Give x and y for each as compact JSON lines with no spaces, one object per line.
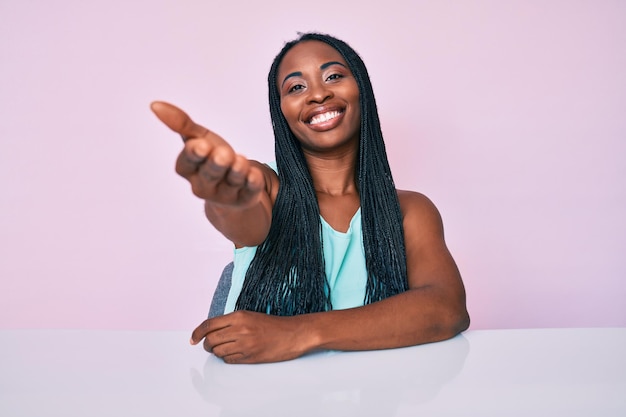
{"x":291,"y":115}
{"x":353,"y":94}
{"x":288,"y":112}
{"x":357,"y":108}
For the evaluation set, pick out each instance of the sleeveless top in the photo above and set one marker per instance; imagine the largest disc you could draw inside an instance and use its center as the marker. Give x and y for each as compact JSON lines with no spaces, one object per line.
{"x":344,"y":259}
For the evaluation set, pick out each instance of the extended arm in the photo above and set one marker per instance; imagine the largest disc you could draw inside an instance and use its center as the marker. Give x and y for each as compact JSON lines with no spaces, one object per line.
{"x":433,"y":308}
{"x":237,"y":191}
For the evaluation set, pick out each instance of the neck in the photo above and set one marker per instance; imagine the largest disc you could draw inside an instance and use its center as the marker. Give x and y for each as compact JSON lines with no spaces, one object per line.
{"x":334,"y":176}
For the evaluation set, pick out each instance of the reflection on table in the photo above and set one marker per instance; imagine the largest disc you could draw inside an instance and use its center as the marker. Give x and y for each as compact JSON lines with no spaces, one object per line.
{"x":480,"y":373}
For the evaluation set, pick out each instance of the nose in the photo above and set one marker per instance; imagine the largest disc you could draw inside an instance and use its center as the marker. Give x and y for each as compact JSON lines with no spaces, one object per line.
{"x":319,"y":92}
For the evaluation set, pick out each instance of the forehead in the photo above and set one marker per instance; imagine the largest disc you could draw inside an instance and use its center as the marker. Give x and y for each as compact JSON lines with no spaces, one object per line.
{"x":308,"y":54}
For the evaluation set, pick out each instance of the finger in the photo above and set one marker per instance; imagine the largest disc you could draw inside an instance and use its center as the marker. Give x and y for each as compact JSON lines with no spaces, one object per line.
{"x":246,"y":189}
{"x":193,"y":154}
{"x":220,"y":338}
{"x":234,"y":359}
{"x":177,"y":120}
{"x":231,"y":186}
{"x":255,"y":180}
{"x":223,"y":350}
{"x":206,"y":327}
{"x":217,"y":164}
{"x":238,"y":171}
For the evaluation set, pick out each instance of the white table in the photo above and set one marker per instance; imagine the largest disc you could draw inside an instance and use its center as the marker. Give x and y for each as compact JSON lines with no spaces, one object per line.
{"x":542,"y":372}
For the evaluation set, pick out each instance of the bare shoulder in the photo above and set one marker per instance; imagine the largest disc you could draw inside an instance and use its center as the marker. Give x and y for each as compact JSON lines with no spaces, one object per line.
{"x":415,"y":204}
{"x":421,"y":218}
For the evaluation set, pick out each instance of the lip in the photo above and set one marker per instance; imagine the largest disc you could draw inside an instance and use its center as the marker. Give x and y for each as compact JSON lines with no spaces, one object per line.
{"x":325,"y":125}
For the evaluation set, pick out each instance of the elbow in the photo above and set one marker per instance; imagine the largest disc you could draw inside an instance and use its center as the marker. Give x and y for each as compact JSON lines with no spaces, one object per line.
{"x":453,"y":323}
{"x":462,"y":322}
{"x":459,"y":321}
{"x":457,"y":318}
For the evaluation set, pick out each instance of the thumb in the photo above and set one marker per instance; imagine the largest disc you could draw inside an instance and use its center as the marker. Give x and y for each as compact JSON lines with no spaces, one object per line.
{"x":177,"y":120}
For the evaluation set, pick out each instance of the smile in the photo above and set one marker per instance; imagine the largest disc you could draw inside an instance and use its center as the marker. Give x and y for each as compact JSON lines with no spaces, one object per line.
{"x":324,"y":117}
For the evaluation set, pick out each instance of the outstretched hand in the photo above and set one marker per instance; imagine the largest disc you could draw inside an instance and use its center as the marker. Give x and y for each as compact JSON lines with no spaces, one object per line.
{"x":216,"y":173}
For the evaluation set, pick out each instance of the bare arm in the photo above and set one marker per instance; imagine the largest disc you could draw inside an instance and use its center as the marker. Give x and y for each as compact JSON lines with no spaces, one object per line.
{"x":433,"y":308}
{"x":238,"y":192}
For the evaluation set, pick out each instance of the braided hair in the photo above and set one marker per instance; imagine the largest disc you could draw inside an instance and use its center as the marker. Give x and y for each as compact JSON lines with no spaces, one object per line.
{"x":287,"y":275}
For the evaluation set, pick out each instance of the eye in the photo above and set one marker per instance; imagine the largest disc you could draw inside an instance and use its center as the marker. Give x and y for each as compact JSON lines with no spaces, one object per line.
{"x":295,"y":88}
{"x":333,"y":77}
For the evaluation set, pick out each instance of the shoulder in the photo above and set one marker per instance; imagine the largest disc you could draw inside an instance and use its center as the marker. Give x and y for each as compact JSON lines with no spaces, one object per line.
{"x":419,"y":213}
{"x":414,"y":203}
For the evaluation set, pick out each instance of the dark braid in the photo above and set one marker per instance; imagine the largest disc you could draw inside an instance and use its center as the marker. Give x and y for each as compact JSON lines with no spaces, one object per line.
{"x":287,"y":275}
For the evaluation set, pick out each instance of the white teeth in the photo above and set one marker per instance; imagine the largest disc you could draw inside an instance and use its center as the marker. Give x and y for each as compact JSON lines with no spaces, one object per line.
{"x":320,"y":118}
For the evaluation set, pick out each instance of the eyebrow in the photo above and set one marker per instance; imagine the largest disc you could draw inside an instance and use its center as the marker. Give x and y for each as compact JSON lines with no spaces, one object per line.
{"x":322,"y":67}
{"x":328,"y":64}
{"x":293,"y":74}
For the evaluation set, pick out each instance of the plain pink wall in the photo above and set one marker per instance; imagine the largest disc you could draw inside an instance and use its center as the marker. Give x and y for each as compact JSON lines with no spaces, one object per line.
{"x":509,"y":115}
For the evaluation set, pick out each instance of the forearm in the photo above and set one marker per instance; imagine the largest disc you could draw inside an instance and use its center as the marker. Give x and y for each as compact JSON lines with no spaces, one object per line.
{"x":414,"y":317}
{"x":242,"y":226}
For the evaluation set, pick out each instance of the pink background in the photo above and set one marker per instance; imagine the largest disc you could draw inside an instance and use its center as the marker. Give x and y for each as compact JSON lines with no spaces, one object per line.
{"x":510,"y":115}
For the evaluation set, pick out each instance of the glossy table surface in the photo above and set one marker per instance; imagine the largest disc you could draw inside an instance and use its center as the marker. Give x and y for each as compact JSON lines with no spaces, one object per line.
{"x":551,"y":372}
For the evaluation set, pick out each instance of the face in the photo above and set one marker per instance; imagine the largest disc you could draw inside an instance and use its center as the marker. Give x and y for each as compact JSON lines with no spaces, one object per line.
{"x":319,"y":97}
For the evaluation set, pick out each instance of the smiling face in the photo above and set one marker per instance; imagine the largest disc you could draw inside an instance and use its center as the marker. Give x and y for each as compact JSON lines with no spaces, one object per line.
{"x":319,"y":97}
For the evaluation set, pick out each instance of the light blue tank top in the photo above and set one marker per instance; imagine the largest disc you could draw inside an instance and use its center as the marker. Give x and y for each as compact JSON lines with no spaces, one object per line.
{"x":344,"y":258}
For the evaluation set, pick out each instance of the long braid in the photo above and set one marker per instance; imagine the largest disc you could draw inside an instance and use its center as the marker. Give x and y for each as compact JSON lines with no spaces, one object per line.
{"x":286,"y":276}
{"x":383,"y":232}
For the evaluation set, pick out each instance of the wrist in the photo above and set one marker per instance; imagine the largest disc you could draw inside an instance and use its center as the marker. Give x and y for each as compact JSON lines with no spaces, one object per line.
{"x":309,"y":332}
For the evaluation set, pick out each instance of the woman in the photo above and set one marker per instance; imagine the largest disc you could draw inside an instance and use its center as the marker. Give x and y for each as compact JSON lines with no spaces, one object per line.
{"x":329,"y":255}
